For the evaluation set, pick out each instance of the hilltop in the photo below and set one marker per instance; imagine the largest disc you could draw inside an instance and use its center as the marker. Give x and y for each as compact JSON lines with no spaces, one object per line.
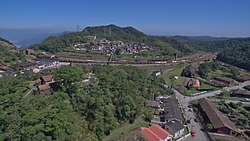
{"x":9,"y":53}
{"x":163,"y":46}
{"x":7,"y":45}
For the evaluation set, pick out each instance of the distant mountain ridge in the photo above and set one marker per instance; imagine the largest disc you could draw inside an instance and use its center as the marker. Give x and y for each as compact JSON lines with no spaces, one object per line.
{"x":199,"y":38}
{"x":24,"y":38}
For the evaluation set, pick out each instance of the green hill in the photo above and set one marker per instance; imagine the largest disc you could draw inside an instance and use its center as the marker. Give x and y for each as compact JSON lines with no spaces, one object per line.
{"x":164,"y":46}
{"x":9,"y":53}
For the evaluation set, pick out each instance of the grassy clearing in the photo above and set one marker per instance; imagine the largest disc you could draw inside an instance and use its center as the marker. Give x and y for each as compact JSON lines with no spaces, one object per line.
{"x":175,"y":72}
{"x":125,"y":129}
{"x":213,"y":74}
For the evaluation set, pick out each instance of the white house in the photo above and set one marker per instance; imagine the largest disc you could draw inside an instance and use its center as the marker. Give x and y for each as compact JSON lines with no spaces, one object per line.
{"x":175,"y":128}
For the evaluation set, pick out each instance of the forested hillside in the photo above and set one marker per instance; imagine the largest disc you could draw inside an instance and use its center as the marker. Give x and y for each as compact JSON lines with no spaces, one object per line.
{"x":238,"y":56}
{"x":77,"y":110}
{"x":214,"y":44}
{"x":8,"y":52}
{"x":163,"y":45}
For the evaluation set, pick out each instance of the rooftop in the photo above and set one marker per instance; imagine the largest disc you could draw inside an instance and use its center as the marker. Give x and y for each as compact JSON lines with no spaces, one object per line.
{"x":43,"y":87}
{"x":225,"y":79}
{"x":217,"y":118}
{"x":241,"y":92}
{"x":173,"y":126}
{"x":172,"y":109}
{"x":47,"y":78}
{"x":155,"y":133}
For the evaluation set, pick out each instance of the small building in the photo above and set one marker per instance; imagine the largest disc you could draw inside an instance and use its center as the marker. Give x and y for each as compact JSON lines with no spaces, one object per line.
{"x":226,"y":80}
{"x":46,"y":79}
{"x":243,"y":78}
{"x":35,"y":70}
{"x":241,"y":93}
{"x":3,"y":67}
{"x":189,"y":71}
{"x":221,"y":123}
{"x":156,"y":133}
{"x":194,"y":84}
{"x":29,"y":52}
{"x":44,"y":89}
{"x":218,"y":83}
{"x":37,"y":82}
{"x":175,"y":128}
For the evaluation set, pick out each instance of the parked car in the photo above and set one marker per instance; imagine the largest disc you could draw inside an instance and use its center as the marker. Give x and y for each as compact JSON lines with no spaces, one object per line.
{"x":246,"y":100}
{"x":193,"y":133}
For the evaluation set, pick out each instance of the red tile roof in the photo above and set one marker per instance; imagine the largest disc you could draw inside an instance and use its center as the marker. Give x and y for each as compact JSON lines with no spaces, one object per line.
{"x":43,"y":87}
{"x":38,"y":81}
{"x":149,"y":135}
{"x":163,"y":134}
{"x":47,"y":78}
{"x":155,"y":133}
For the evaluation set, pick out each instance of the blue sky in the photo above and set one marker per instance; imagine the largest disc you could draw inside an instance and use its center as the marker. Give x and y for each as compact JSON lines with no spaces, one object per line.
{"x":229,"y":18}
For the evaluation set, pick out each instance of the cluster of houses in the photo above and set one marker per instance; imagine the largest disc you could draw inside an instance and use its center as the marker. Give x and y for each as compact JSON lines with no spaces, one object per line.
{"x":106,"y":46}
{"x":190,"y":72}
{"x":45,"y":85}
{"x":222,"y":81}
{"x":169,"y":114}
{"x":245,"y":91}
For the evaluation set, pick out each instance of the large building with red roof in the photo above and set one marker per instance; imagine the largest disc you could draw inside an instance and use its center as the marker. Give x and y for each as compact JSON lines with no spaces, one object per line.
{"x":156,"y":133}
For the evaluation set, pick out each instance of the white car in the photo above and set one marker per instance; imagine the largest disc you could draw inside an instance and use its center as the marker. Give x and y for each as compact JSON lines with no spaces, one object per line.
{"x":246,"y":100}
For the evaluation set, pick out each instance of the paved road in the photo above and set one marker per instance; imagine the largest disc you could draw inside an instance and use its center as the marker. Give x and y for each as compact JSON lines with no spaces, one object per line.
{"x":185,"y":101}
{"x":241,"y":85}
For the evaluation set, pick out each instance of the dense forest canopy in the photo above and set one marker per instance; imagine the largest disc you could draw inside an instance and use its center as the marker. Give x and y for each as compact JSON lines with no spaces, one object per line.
{"x":211,"y":44}
{"x":239,"y":57}
{"x":77,"y":110}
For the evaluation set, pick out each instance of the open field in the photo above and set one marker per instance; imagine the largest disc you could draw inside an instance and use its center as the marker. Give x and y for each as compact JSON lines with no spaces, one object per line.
{"x":175,"y":72}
